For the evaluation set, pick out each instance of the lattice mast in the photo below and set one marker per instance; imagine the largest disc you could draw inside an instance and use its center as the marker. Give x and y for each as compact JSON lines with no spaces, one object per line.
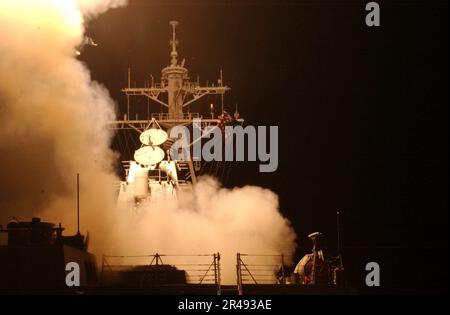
{"x":175,"y":82}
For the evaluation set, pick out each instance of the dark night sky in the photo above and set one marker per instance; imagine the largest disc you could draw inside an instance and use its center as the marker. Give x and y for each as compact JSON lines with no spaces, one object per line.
{"x":362,"y":112}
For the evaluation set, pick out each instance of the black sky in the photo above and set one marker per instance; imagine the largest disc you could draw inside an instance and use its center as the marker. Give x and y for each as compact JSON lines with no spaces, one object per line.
{"x":362,"y":112}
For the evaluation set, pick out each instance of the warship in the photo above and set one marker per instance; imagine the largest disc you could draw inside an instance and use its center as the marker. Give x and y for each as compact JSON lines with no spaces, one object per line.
{"x":151,"y":171}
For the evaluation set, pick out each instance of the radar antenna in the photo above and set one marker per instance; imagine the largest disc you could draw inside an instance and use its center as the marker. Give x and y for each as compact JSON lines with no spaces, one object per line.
{"x":174,"y":43}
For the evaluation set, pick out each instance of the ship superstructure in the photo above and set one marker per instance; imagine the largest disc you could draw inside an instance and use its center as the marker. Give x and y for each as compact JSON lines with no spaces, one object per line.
{"x":152,"y":172}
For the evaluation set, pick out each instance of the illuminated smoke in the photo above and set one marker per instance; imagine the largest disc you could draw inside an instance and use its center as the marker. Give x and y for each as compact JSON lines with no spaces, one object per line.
{"x":213,"y":219}
{"x":52,"y":117}
{"x":92,"y":8}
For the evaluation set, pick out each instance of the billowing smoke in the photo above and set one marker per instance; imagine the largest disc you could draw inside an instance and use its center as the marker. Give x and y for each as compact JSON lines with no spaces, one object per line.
{"x":92,"y":8}
{"x":212,"y":219}
{"x":53,"y":117}
{"x":53,"y":124}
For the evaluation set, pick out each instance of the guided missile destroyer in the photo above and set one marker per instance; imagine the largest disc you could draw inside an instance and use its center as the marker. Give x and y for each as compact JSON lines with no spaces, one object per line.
{"x":152,"y":172}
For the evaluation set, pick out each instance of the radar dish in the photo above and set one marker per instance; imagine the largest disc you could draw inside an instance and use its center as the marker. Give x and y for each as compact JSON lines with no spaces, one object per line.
{"x":153,"y":137}
{"x":149,"y":155}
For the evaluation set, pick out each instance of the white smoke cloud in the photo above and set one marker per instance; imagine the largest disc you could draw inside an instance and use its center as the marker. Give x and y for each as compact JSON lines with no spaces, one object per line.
{"x":212,"y":219}
{"x":53,"y":117}
{"x":92,"y":8}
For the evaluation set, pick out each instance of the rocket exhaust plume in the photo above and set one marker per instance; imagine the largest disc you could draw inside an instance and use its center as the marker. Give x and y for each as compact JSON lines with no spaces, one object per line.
{"x":53,"y":116}
{"x":53,"y":125}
